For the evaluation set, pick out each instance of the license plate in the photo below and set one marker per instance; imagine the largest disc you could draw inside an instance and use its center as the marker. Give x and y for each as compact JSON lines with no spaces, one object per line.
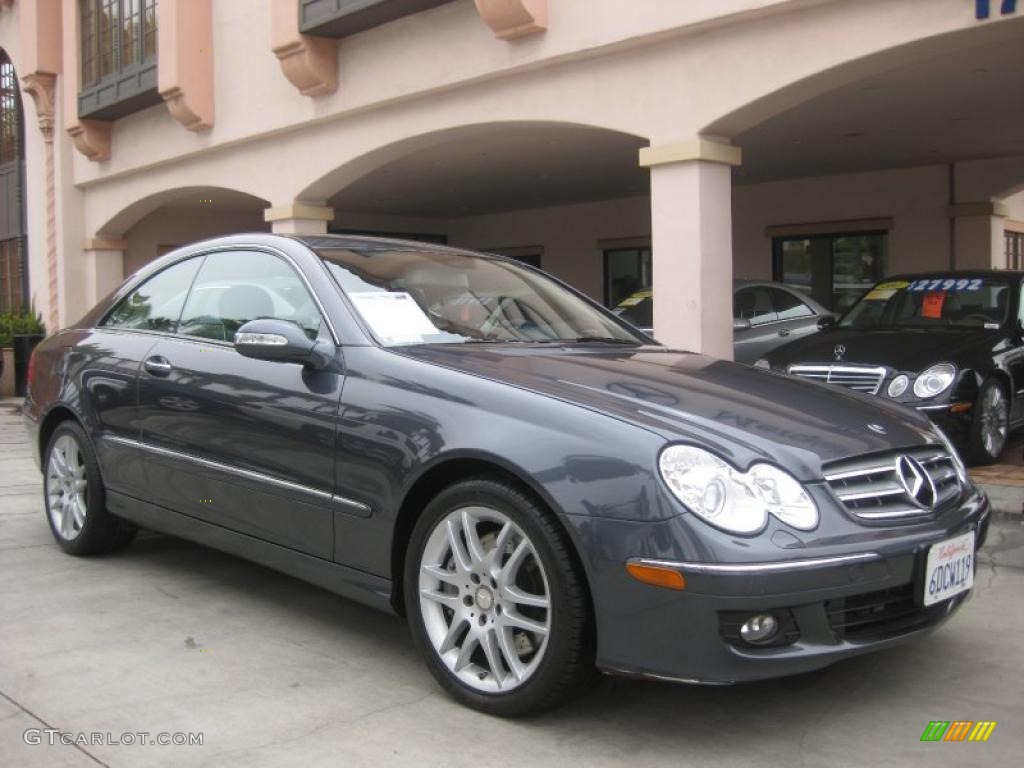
{"x":950,"y":568}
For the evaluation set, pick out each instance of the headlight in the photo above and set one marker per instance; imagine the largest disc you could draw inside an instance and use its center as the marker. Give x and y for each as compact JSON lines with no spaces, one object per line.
{"x":898,"y":386}
{"x":934,"y":380}
{"x":958,"y":463}
{"x":735,"y":501}
{"x":762,"y":363}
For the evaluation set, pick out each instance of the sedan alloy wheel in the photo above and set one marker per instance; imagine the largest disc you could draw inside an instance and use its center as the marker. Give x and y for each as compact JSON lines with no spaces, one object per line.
{"x":484,"y":598}
{"x":67,"y":488}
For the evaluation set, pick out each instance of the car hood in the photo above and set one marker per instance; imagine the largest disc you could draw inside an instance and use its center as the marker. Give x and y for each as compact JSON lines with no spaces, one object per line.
{"x":744,"y":414}
{"x":905,"y":349}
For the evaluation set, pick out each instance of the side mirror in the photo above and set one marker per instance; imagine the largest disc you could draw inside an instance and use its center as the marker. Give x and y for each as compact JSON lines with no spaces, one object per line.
{"x":740,"y":324}
{"x":281,"y":341}
{"x":826,"y":321}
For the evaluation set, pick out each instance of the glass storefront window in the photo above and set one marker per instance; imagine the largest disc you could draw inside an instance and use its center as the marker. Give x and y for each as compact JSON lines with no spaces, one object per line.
{"x":834,"y":269}
{"x":626,"y":271}
{"x":1014,"y":242}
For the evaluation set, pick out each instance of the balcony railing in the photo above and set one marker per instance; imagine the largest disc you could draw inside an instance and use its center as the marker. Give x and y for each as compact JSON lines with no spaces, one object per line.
{"x":340,"y":18}
{"x":119,"y":58}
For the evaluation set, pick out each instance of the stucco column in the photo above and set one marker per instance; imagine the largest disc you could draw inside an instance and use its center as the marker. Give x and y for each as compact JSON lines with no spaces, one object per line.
{"x":978,"y":232}
{"x":104,"y":267}
{"x":691,"y":239}
{"x":298,"y":219}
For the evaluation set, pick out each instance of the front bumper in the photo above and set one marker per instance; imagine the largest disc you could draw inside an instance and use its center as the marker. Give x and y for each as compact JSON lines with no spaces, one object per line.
{"x":840,"y":604}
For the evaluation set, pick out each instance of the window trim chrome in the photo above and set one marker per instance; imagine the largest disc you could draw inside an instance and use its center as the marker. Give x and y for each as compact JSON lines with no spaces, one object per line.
{"x":249,"y":474}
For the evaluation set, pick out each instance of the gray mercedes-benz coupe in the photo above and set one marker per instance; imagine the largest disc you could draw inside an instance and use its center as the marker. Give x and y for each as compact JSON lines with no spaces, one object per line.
{"x":539,"y":488}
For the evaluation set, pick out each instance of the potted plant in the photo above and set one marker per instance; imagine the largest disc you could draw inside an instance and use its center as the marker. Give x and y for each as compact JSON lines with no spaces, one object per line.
{"x":19,"y":334}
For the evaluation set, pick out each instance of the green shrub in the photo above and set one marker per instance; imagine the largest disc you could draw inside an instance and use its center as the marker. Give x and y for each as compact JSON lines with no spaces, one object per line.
{"x":17,"y":323}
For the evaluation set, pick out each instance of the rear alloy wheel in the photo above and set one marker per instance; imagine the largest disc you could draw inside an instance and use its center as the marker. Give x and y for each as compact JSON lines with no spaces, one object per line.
{"x":990,"y":424}
{"x":75,"y":498}
{"x":495,"y":605}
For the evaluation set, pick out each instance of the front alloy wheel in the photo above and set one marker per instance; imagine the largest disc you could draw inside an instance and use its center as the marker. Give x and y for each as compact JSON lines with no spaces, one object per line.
{"x":495,"y":599}
{"x":484,"y":599}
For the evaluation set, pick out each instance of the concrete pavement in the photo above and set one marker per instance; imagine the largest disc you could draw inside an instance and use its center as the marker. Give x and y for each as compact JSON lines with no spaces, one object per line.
{"x":171,"y":637}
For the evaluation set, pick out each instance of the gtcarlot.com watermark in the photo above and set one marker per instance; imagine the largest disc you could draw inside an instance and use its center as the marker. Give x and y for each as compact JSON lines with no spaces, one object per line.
{"x":54,"y":736}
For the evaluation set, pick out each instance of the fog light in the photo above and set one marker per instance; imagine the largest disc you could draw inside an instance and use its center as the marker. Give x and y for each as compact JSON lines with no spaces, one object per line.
{"x":898,"y":385}
{"x":759,"y":629}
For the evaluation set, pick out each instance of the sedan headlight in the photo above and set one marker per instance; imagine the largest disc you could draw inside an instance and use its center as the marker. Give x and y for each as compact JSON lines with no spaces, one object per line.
{"x":934,"y":380}
{"x":735,"y":501}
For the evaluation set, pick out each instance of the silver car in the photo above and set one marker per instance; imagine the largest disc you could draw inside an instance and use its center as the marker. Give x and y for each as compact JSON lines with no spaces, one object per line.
{"x":765,"y":316}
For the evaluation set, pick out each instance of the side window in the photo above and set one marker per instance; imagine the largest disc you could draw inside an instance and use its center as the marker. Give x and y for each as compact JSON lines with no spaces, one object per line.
{"x":754,"y":304}
{"x":235,"y":287}
{"x":788,"y":306}
{"x":156,"y":304}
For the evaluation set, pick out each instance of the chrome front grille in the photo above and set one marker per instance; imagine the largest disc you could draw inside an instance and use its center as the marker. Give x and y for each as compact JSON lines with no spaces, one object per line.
{"x":878,"y":488}
{"x":863,"y":378}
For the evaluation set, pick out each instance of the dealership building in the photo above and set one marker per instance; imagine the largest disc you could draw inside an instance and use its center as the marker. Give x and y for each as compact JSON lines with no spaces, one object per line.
{"x":663,"y":144}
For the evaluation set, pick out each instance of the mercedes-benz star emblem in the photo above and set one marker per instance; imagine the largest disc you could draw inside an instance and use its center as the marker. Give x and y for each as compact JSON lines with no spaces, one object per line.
{"x":916,"y":482}
{"x":839,"y":351}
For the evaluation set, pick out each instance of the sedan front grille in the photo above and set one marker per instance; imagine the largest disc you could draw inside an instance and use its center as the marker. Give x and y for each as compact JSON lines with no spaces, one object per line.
{"x":862,"y":378}
{"x":875,"y":488}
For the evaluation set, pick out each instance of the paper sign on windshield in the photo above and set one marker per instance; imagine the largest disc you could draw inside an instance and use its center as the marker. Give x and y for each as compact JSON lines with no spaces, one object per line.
{"x":931,"y":307}
{"x":885,"y":291}
{"x":394,"y":317}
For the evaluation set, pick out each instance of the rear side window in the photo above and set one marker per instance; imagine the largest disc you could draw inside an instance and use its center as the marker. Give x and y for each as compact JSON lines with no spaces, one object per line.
{"x":235,"y":287}
{"x":156,"y":304}
{"x":754,"y":304}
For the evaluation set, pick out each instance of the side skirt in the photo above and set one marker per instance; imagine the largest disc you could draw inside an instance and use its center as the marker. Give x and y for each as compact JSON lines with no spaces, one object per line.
{"x":365,"y":588}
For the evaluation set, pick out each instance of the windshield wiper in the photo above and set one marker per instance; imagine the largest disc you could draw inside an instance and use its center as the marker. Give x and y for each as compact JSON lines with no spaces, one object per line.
{"x":597,"y":340}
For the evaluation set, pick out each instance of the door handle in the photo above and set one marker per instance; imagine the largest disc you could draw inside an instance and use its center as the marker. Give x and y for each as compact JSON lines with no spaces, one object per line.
{"x":784,"y":332}
{"x":157,"y":366}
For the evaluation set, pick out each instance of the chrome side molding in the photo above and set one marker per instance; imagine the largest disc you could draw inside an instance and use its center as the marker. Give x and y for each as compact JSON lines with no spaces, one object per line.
{"x":363,"y":509}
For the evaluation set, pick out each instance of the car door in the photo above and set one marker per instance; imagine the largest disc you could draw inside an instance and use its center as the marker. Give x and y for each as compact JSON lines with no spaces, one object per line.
{"x":796,"y":319}
{"x":244,"y":444}
{"x":106,"y":366}
{"x":754,"y":304}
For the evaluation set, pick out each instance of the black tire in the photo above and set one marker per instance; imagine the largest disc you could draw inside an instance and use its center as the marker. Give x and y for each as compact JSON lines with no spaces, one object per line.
{"x":981,"y":450}
{"x":101,"y":532}
{"x":567,"y":663}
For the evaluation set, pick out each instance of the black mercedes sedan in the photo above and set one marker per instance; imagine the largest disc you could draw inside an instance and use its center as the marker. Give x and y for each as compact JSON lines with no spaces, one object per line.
{"x":540,"y":489}
{"x":950,"y":345}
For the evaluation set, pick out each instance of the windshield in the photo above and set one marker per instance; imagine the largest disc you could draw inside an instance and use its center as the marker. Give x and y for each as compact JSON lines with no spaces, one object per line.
{"x":442,"y":297}
{"x":932,"y":302}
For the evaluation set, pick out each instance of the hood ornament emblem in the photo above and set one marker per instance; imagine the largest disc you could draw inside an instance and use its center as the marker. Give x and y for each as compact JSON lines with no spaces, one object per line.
{"x":838,"y":351}
{"x":916,"y":482}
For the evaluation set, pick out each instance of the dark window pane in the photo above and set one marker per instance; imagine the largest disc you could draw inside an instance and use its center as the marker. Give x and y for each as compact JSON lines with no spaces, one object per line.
{"x":833,"y":269}
{"x":626,"y":271}
{"x":156,"y":304}
{"x":234,"y":288}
